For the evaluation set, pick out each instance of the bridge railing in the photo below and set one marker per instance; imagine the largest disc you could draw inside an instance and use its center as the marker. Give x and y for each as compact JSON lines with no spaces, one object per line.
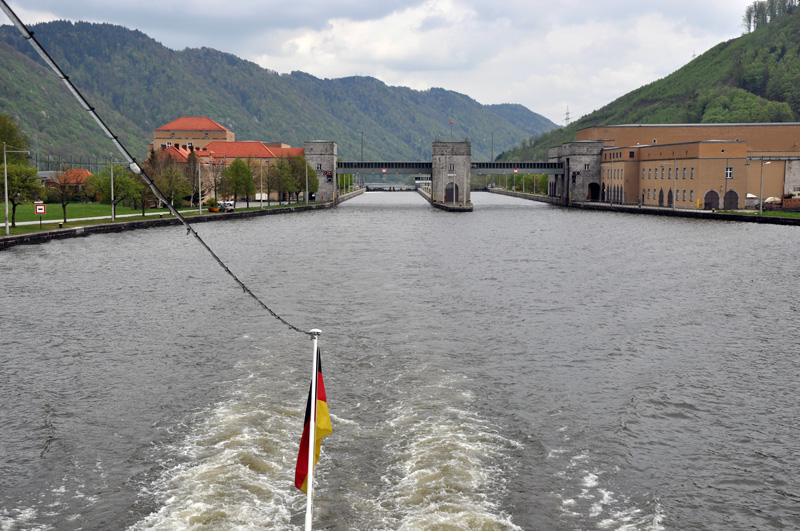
{"x":382,"y":167}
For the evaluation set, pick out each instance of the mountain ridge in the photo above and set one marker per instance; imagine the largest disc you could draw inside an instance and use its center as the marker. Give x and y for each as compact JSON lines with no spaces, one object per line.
{"x":750,"y":79}
{"x":137,"y":85}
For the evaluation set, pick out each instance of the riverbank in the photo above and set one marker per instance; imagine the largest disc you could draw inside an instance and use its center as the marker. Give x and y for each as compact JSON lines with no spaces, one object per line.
{"x":654,"y":211}
{"x":162,"y":221}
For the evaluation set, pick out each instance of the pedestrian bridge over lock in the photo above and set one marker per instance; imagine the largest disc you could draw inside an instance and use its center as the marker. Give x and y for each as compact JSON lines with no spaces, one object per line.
{"x":426,"y":168}
{"x":450,"y":171}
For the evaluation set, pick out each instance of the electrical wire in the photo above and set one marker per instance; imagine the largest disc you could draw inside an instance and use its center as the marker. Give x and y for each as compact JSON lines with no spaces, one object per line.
{"x":134,"y":166}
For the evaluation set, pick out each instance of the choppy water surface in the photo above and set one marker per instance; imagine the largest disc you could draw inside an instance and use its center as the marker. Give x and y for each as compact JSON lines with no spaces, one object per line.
{"x":519,"y":367}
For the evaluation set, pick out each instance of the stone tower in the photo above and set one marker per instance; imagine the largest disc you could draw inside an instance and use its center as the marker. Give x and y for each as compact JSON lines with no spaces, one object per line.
{"x":321,"y":155}
{"x":451,"y":172}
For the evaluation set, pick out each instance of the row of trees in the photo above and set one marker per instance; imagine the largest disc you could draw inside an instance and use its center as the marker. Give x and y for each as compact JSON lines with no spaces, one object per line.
{"x":762,"y":12}
{"x":285,"y":178}
{"x":242,"y":179}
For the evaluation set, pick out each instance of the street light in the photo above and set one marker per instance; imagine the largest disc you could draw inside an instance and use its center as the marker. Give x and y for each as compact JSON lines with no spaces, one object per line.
{"x":761,"y":190}
{"x":199,"y":189}
{"x":5,"y":176}
{"x":113,"y":205}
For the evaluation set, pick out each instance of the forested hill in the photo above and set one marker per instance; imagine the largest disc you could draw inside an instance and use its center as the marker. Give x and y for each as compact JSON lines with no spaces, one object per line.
{"x":754,"y":78}
{"x":137,"y":85}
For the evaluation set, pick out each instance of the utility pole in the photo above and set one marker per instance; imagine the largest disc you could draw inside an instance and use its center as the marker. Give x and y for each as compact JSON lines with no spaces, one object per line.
{"x":113,"y":205}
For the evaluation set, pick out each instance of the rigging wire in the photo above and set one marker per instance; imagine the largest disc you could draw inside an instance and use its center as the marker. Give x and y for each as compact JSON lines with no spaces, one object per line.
{"x":134,"y":166}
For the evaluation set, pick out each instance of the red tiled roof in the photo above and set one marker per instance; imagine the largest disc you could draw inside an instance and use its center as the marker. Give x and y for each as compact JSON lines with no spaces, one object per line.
{"x":177,"y":154}
{"x":72,"y":176}
{"x":245,"y":149}
{"x":193,"y":123}
{"x":75,"y":176}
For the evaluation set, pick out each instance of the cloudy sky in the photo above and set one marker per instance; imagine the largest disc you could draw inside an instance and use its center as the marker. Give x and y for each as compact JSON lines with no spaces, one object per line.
{"x":546,"y":55}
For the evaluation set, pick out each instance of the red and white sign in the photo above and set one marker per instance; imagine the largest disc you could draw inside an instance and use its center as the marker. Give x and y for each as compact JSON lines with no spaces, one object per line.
{"x":383,"y":170}
{"x":516,"y":170}
{"x":40,"y":209}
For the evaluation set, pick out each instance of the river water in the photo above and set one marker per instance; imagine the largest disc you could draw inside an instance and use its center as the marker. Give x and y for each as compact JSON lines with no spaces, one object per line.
{"x":523,"y":366}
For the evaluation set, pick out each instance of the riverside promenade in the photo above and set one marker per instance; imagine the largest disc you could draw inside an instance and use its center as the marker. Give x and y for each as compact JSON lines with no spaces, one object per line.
{"x":163,"y":220}
{"x":653,"y":211}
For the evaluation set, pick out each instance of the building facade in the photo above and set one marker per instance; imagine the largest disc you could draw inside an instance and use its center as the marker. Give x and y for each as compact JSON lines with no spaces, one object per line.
{"x":696,"y":166}
{"x":190,"y":132}
{"x":581,"y":178}
{"x":450,"y":173}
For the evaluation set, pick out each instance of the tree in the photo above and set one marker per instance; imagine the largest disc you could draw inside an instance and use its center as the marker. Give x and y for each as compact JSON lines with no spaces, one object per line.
{"x":173,"y":184}
{"x":125,"y":184}
{"x":747,"y":19}
{"x":272,"y":180}
{"x":300,"y":168}
{"x":257,"y":171}
{"x":191,"y":170}
{"x":288,"y":183}
{"x":15,"y":141}
{"x":23,"y":186}
{"x":141,"y":194}
{"x":241,"y":179}
{"x":23,"y":183}
{"x":65,"y":188}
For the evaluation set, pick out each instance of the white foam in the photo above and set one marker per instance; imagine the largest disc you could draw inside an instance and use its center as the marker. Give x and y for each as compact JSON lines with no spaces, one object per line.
{"x":233,"y":471}
{"x":590,"y":480}
{"x":448,"y":466}
{"x":9,"y":521}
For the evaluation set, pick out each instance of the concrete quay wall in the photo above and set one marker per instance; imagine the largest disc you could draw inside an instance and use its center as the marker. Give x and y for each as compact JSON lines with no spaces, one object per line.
{"x":350,"y":195}
{"x":444,"y":206}
{"x":655,"y":211}
{"x":529,"y":197}
{"x":167,"y":220}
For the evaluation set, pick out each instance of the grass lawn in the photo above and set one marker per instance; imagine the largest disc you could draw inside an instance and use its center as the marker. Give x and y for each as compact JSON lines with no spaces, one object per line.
{"x":767,"y":213}
{"x":75,"y":211}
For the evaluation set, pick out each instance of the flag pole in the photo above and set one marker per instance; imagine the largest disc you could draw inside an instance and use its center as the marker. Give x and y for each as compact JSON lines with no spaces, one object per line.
{"x":312,"y":436}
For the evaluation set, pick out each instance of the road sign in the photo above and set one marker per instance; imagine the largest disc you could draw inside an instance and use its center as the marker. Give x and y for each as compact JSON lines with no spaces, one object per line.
{"x":40,"y":209}
{"x":383,"y":170}
{"x":516,"y":170}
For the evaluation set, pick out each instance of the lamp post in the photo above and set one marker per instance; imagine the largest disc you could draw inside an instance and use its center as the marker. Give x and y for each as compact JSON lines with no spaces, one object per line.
{"x":113,"y":205}
{"x":761,"y":189}
{"x":199,"y":189}
{"x":5,"y":176}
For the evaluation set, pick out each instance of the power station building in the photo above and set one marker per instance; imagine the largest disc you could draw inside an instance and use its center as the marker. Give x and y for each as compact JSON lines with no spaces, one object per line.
{"x":695,"y":166}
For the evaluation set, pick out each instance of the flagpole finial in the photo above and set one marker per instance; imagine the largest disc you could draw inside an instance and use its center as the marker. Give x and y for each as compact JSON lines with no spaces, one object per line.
{"x":315,"y":332}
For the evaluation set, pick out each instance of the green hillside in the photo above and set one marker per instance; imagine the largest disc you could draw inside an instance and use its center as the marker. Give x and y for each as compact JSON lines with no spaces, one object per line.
{"x":754,"y":78}
{"x":137,"y":85}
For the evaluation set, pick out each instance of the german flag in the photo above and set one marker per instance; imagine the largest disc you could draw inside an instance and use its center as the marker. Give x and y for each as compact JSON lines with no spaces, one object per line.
{"x":322,"y":429}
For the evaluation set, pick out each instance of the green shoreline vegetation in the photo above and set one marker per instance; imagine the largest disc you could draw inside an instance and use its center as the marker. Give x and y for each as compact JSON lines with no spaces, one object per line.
{"x":79,"y":211}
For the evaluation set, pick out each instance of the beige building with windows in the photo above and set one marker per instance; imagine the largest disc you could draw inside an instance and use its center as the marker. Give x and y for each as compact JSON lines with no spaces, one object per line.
{"x":190,"y":132}
{"x":699,"y":166}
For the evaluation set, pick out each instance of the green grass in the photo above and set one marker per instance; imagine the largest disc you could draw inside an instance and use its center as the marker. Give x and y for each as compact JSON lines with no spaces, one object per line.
{"x":767,"y":213}
{"x":75,"y":211}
